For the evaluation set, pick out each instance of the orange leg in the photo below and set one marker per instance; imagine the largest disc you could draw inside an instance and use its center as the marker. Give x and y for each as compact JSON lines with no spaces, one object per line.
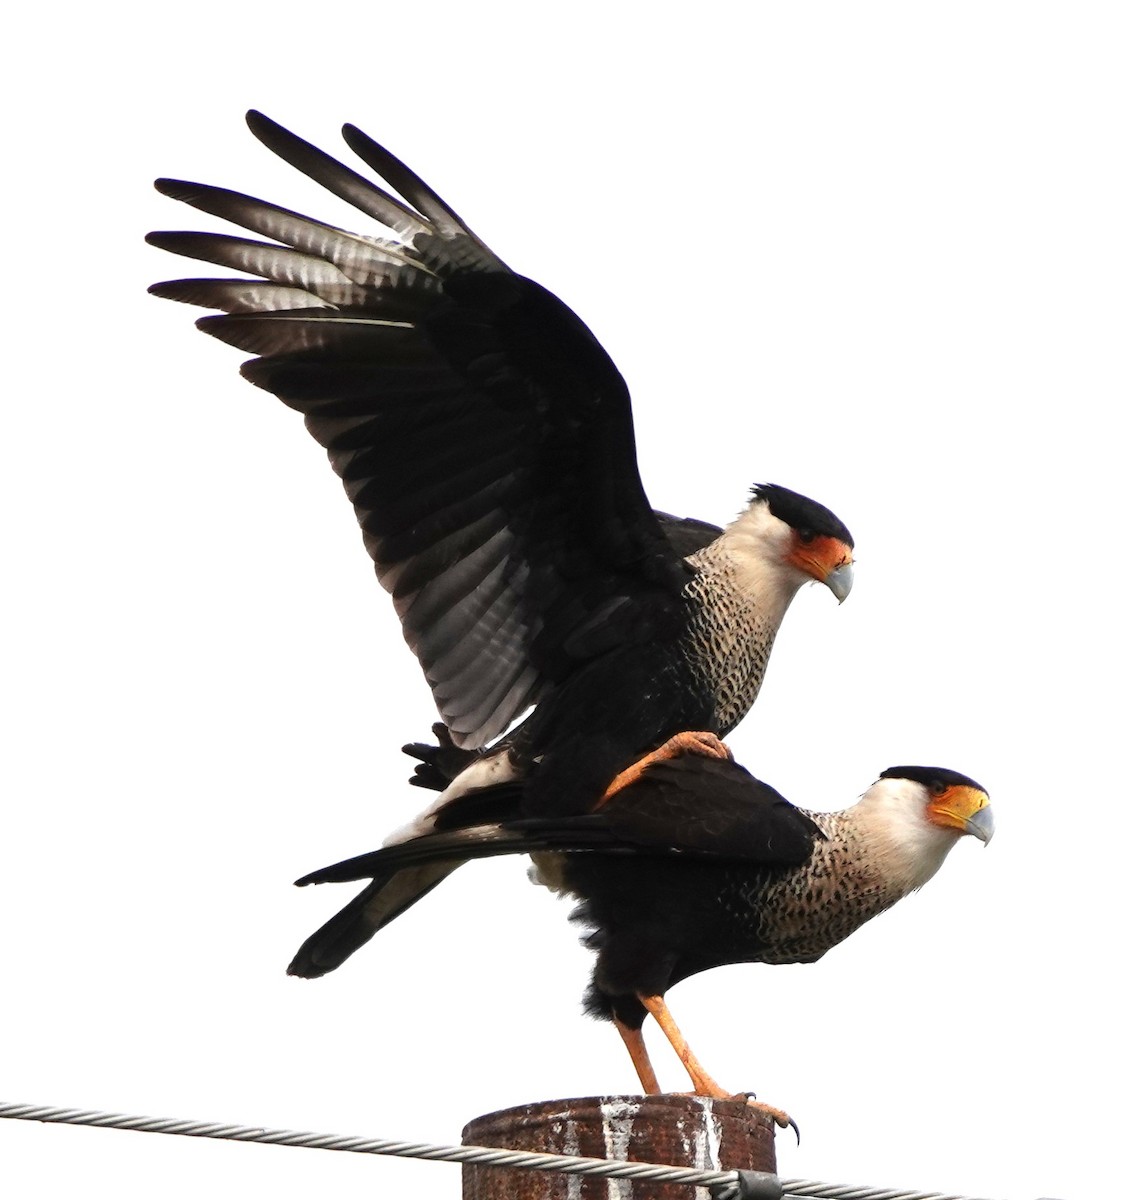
{"x":702,"y":1082}
{"x":634,"y":1043}
{"x":703,"y":743}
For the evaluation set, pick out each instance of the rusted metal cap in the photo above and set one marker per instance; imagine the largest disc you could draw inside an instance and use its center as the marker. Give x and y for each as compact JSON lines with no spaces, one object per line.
{"x":681,"y":1131}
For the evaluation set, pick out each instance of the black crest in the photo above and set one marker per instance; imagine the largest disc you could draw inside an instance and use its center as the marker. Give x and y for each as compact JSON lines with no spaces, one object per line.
{"x":936,"y":779}
{"x":807,"y":517}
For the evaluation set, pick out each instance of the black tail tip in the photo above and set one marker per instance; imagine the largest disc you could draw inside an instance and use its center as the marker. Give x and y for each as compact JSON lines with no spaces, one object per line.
{"x":303,"y":967}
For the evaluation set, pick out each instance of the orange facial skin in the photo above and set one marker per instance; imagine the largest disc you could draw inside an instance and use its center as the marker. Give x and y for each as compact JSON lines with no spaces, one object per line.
{"x":962,"y":808}
{"x":819,"y":556}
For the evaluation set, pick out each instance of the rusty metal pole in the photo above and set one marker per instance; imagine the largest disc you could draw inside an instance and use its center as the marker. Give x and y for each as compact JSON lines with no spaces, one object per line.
{"x":680,"y":1131}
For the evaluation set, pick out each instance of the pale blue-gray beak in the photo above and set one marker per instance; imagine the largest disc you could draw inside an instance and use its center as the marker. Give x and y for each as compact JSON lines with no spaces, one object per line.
{"x":840,"y":581}
{"x":981,"y":824}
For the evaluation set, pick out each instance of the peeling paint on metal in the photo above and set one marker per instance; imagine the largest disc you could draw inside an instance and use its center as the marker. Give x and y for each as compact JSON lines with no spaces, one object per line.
{"x":713,"y":1137}
{"x":700,"y":1140}
{"x":571,"y":1144}
{"x":617,"y":1118}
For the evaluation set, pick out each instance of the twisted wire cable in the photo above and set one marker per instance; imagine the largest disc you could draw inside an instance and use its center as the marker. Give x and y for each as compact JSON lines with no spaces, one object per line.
{"x":483,"y":1155}
{"x":839,"y":1191}
{"x":725,"y":1185}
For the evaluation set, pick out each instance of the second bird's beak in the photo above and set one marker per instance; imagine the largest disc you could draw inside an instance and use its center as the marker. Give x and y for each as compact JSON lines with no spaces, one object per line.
{"x":840,"y":581}
{"x":826,"y":559}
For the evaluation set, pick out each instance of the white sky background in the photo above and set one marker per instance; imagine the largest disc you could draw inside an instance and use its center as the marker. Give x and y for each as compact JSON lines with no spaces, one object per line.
{"x":884,"y":254}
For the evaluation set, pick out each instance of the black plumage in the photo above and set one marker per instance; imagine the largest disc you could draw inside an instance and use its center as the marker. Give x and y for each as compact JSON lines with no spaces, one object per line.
{"x":693,"y":865}
{"x":485,"y":439}
{"x":679,"y":817}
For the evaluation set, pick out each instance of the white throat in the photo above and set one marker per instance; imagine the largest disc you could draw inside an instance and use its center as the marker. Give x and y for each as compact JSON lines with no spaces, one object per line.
{"x":892,"y":822}
{"x":754,"y":549}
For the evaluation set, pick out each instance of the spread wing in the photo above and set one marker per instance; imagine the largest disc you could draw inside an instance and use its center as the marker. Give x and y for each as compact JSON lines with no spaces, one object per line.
{"x":482,"y":433}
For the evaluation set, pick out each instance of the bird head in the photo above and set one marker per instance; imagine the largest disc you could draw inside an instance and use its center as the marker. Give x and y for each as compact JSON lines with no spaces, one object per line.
{"x":955,"y":802}
{"x":915,"y":815}
{"x":813,"y":543}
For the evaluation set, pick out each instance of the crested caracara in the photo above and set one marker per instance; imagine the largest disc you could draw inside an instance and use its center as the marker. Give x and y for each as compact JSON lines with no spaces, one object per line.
{"x":694,"y":864}
{"x":485,"y":439}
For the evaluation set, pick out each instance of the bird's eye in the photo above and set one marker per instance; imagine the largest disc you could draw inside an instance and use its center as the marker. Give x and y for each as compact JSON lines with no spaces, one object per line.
{"x":806,"y":536}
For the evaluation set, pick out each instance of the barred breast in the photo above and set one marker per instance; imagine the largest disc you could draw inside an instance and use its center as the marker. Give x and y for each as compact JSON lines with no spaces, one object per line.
{"x":811,"y":910}
{"x":730,"y":633}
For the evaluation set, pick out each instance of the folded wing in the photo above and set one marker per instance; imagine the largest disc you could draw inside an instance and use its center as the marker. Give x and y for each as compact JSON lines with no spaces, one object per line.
{"x":687,"y":806}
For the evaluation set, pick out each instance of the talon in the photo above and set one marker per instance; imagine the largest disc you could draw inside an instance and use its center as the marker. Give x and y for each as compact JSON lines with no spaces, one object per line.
{"x":690,"y":742}
{"x":699,"y":743}
{"x":782,"y":1119}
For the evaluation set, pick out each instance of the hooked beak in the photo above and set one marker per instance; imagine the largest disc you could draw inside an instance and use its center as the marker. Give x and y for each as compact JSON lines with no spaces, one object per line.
{"x":981,"y":825}
{"x":840,"y":581}
{"x":826,"y":559}
{"x":966,"y":809}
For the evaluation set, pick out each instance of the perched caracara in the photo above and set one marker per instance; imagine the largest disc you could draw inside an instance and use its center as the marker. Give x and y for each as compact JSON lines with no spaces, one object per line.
{"x":485,"y":439}
{"x":693,"y":864}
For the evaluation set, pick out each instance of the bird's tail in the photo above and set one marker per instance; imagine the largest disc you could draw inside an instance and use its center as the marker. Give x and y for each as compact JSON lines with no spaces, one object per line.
{"x":356,"y":923}
{"x":405,"y":872}
{"x":489,"y":822}
{"x":400,"y":875}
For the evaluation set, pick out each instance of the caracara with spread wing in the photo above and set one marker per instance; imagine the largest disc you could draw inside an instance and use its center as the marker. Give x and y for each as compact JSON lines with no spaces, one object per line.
{"x":485,"y":439}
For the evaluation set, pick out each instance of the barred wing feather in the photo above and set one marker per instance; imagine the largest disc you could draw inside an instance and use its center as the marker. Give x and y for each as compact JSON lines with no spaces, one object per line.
{"x":482,"y":433}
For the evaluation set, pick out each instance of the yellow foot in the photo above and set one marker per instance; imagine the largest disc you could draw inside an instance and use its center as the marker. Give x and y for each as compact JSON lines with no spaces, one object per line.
{"x":690,"y":742}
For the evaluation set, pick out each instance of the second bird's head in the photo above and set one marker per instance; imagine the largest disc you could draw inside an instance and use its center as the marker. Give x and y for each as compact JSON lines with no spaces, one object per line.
{"x":799,"y":538}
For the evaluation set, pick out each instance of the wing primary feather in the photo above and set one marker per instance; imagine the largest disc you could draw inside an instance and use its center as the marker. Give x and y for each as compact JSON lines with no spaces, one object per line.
{"x":340,"y":180}
{"x":237,"y":295}
{"x":279,"y":264}
{"x":445,"y":220}
{"x":271,"y":220}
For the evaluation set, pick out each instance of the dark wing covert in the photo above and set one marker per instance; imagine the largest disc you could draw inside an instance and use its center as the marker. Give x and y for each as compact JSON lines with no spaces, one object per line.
{"x":691,"y":806}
